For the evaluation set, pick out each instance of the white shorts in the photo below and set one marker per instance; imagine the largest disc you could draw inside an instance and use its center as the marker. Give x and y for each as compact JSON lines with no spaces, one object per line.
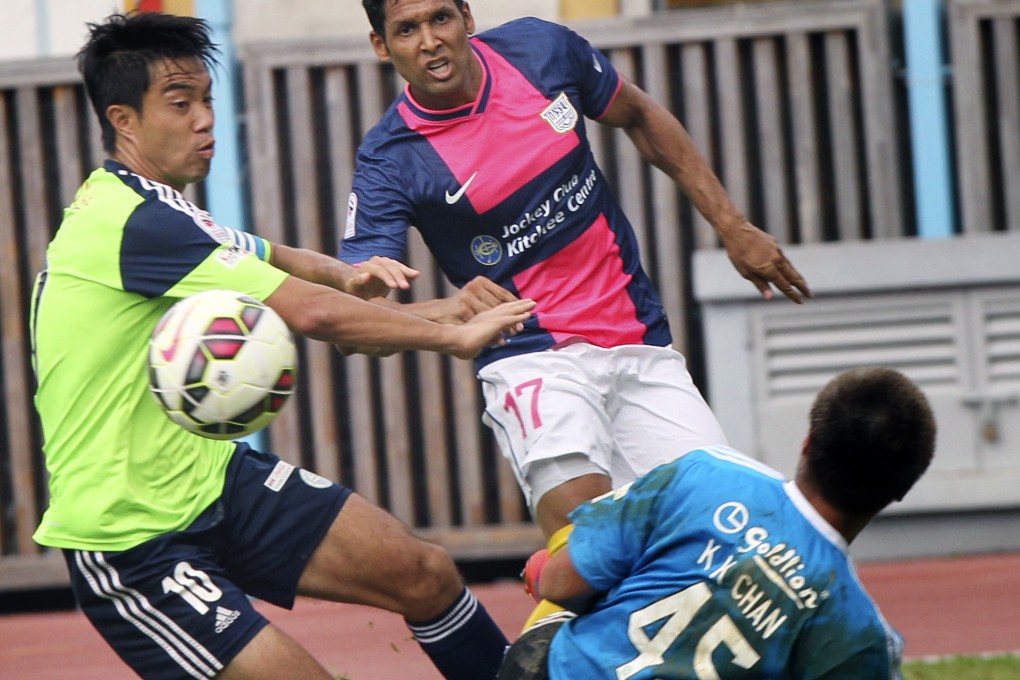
{"x":560,"y":414}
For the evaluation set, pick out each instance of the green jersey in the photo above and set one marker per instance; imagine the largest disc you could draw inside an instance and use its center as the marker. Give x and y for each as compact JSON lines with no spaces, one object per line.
{"x":121,"y":472}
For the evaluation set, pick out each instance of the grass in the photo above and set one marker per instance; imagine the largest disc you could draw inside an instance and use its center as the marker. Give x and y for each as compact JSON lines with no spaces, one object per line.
{"x":964,"y":667}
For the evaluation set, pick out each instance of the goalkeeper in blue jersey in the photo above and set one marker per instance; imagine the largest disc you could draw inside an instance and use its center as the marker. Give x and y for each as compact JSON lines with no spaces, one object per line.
{"x":168,"y":535}
{"x":713,"y":566}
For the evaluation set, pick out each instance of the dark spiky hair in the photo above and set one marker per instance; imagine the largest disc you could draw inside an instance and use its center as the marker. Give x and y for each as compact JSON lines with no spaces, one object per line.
{"x":376,"y":11}
{"x":116,"y":61}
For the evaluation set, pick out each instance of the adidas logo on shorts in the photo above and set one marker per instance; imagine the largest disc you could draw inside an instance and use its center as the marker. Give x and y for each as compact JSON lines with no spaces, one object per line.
{"x":225,"y":617}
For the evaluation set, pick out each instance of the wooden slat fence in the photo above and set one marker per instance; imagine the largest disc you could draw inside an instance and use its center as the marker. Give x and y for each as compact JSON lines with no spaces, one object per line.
{"x":984,"y":37}
{"x":47,"y":143}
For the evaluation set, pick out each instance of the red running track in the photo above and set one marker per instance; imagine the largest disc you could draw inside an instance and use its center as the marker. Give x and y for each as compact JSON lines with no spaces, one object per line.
{"x":960,"y":605}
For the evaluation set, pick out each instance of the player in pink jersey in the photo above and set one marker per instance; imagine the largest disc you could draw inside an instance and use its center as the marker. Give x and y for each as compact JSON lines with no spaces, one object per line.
{"x":486,"y":154}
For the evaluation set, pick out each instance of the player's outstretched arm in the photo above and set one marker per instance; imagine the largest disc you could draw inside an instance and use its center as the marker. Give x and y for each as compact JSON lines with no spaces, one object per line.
{"x":560,"y":583}
{"x":478,"y":295}
{"x":663,"y":141}
{"x":373,"y":278}
{"x":322,"y":313}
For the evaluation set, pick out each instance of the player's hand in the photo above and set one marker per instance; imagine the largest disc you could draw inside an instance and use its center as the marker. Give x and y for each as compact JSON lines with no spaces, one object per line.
{"x":478,"y":295}
{"x":491,"y":328}
{"x":757,"y":257}
{"x":377,"y":276}
{"x":533,"y":572}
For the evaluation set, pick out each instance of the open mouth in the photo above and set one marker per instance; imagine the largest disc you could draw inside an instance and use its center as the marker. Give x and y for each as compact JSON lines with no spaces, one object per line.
{"x":439,"y":68}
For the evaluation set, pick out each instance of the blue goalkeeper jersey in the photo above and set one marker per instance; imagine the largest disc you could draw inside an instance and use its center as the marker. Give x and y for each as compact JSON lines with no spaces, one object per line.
{"x":714,"y":567}
{"x":507,"y":187}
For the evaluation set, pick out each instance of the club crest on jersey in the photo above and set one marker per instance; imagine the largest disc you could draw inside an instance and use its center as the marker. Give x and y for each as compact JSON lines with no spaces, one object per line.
{"x":486,"y":250}
{"x":561,"y":114}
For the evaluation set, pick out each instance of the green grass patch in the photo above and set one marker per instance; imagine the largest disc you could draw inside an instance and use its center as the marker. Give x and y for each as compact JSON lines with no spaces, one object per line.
{"x":964,"y":667}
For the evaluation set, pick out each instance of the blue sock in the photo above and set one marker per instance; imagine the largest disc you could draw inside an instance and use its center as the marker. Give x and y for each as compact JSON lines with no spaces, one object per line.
{"x":463,"y":642}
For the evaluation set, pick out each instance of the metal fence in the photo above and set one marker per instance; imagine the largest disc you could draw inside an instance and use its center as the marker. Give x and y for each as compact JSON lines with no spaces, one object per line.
{"x":798,"y":105}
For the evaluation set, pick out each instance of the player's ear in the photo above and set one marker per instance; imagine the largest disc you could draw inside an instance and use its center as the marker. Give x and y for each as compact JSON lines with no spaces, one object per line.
{"x":123,"y":118}
{"x":469,"y":20}
{"x":379,"y":45}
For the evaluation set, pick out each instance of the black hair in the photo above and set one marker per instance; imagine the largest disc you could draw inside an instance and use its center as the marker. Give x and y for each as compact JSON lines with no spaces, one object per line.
{"x":116,"y":61}
{"x":376,"y":11}
{"x":872,"y":436}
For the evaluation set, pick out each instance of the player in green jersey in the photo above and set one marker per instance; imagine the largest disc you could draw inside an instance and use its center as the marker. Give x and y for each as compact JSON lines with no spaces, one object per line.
{"x":166,"y":533}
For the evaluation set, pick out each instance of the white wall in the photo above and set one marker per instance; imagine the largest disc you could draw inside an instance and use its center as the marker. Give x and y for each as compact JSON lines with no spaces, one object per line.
{"x":22,"y":35}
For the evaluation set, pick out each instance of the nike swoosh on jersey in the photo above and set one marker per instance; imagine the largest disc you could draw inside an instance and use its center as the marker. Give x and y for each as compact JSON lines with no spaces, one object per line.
{"x":453,"y":198}
{"x":170,"y":352}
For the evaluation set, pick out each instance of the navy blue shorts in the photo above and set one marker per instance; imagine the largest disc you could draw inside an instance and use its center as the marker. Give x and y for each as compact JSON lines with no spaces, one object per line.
{"x":178,"y":606}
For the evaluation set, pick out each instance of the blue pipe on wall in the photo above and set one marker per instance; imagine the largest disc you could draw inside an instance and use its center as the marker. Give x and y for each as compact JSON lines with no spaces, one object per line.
{"x":926,"y":70}
{"x":224,"y":187}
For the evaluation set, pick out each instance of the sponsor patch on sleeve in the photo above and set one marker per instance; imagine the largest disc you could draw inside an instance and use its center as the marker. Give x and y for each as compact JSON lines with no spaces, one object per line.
{"x":279,"y":476}
{"x":352,"y":215}
{"x":230,"y":256}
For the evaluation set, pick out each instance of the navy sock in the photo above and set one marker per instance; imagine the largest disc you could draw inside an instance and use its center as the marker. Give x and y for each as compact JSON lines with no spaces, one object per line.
{"x":463,"y":642}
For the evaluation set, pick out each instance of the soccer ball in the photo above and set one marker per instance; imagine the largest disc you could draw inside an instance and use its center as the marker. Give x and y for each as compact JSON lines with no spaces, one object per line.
{"x":221,"y":364}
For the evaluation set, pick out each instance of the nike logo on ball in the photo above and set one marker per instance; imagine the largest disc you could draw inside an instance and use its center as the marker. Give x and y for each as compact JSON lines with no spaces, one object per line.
{"x":453,"y":198}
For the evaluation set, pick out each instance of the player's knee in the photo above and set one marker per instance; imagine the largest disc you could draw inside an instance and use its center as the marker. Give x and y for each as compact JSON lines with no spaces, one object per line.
{"x":432,"y":582}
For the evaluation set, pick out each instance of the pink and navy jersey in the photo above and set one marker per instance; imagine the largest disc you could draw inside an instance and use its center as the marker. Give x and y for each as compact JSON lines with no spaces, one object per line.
{"x":507,"y":187}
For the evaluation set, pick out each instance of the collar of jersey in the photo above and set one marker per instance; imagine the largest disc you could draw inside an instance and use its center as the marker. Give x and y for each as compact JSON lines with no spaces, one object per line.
{"x":813,"y":516}
{"x":116,"y":167}
{"x":469,"y":109}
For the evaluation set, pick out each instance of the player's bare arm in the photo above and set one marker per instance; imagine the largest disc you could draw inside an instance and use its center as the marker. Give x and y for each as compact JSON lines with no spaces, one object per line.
{"x":373,"y":278}
{"x":478,"y":295}
{"x":560,"y":583}
{"x":322,"y":313}
{"x":663,"y":141}
{"x":483,"y":310}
